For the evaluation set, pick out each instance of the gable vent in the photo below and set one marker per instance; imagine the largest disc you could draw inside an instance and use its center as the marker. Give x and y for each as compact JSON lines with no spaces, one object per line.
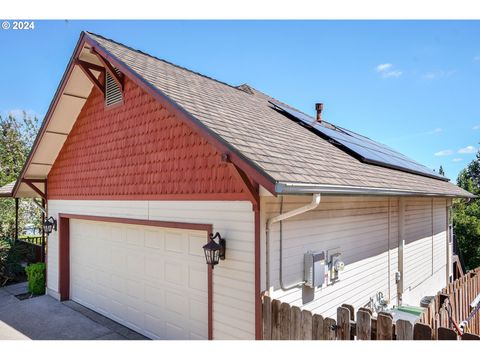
{"x":113,"y":93}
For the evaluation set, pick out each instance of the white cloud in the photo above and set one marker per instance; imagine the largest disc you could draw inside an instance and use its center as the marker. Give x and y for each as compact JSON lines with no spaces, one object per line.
{"x":437,"y":74}
{"x":467,"y":150}
{"x":383,"y":67}
{"x":457,"y":159}
{"x":444,"y":153}
{"x":476,"y":127}
{"x":435,"y":131}
{"x":387,"y":71}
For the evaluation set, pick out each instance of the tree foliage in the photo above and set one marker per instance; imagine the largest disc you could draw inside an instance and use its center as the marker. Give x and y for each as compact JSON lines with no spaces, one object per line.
{"x":441,"y":171}
{"x":466,"y":218}
{"x":16,"y":138}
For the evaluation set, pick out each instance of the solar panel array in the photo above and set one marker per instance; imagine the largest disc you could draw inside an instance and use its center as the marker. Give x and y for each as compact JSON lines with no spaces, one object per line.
{"x":365,"y":149}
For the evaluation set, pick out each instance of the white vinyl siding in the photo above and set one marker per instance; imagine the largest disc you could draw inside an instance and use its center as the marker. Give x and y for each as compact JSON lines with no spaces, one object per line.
{"x":233,"y":279}
{"x":365,"y":229}
{"x":418,"y":242}
{"x":359,"y":226}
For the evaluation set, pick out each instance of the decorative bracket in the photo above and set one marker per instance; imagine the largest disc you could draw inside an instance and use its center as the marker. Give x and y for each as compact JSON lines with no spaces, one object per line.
{"x":117,"y":77}
{"x":31,"y":184}
{"x":250,"y":188}
{"x":87,"y":69}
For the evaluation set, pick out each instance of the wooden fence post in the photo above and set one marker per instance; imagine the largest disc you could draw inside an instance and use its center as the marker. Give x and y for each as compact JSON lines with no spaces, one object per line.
{"x":285,"y":321}
{"x":276,"y":321}
{"x":364,"y":325}
{"x":404,"y":330}
{"x":267,"y":318}
{"x":295,"y":322}
{"x":446,"y":334}
{"x":384,"y":327}
{"x":422,"y":332}
{"x":329,"y":329}
{"x":307,"y":326}
{"x":343,"y":323}
{"x":317,"y":327}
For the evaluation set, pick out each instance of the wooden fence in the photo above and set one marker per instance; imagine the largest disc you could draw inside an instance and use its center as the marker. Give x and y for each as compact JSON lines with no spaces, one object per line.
{"x":455,"y":298}
{"x":31,"y":239}
{"x":284,"y":322}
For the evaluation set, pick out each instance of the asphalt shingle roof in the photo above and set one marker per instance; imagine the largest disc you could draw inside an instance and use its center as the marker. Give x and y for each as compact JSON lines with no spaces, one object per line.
{"x":280,"y":147}
{"x":7,"y":189}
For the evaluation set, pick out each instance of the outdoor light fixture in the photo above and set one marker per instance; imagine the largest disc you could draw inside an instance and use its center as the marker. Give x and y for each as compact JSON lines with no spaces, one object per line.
{"x":49,"y":225}
{"x":214,"y":252}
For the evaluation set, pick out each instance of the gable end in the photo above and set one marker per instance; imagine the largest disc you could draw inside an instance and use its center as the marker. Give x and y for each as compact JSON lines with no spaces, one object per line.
{"x":139,"y":151}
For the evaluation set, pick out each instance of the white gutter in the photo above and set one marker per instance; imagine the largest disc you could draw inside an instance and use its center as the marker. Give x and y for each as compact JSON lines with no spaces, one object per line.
{"x":312,"y":205}
{"x":305,"y":188}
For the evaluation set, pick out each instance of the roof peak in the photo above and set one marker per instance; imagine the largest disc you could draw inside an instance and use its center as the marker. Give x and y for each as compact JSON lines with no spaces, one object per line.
{"x":163,"y":60}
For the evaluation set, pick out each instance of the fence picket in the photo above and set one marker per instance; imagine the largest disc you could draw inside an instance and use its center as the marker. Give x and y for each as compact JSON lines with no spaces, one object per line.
{"x":317,"y":327}
{"x":343,"y":323}
{"x":306,"y":326}
{"x":329,"y":326}
{"x":364,"y":325}
{"x":446,"y":334}
{"x":267,"y":318}
{"x":276,"y":304}
{"x":404,"y":330}
{"x":422,"y":332}
{"x":285,"y":321}
{"x":295,"y":322}
{"x":384,"y":327}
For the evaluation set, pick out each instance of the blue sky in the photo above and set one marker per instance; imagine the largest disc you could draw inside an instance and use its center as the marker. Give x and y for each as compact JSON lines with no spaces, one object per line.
{"x":413,"y":85}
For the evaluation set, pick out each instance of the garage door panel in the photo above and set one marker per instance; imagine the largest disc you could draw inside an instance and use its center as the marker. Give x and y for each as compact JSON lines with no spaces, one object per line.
{"x":154,"y":239}
{"x":195,"y":244}
{"x":174,"y":242}
{"x":153,"y":280}
{"x":135,"y":263}
{"x":174,"y":273}
{"x":154,"y":268}
{"x":197,"y":277}
{"x":135,"y":236}
{"x":175,"y":302}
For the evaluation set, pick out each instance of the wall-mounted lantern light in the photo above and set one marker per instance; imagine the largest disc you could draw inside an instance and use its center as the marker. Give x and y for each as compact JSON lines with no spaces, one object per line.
{"x":214,"y":252}
{"x":49,"y":225}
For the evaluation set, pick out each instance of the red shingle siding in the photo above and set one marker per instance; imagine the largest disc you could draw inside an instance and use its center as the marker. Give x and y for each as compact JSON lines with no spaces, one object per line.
{"x":138,"y":151}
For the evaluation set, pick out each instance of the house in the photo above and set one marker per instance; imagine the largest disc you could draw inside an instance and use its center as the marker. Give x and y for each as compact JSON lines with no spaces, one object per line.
{"x":140,"y":160}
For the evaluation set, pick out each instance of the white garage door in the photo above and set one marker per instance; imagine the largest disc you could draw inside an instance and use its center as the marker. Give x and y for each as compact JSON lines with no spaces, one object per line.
{"x":152,"y":280}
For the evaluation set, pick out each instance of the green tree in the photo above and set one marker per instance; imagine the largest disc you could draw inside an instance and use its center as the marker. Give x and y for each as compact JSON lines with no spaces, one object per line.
{"x":441,"y":171}
{"x":466,"y":218}
{"x":16,"y":138}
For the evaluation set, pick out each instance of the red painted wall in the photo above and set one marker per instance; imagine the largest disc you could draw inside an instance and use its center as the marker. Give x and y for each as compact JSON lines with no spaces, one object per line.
{"x":138,"y":151}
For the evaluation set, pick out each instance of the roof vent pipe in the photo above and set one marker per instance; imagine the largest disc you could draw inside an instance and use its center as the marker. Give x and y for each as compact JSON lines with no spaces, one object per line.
{"x":319,"y":109}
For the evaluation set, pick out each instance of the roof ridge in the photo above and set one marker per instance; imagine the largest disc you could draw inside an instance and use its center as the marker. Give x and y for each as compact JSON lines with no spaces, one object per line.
{"x":163,"y":60}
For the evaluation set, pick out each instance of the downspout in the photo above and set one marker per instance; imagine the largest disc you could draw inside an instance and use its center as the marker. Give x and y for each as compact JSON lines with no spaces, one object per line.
{"x":312,"y":205}
{"x":401,"y":245}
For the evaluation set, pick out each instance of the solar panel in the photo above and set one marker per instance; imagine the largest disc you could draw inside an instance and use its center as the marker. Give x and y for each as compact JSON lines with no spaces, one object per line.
{"x":361,"y":147}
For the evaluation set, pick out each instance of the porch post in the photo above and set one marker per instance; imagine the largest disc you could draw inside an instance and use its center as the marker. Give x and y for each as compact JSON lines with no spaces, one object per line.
{"x":16,"y":220}
{"x":42,"y":254}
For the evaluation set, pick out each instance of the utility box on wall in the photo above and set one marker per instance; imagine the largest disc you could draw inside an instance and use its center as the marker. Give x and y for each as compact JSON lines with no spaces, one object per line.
{"x":314,"y":269}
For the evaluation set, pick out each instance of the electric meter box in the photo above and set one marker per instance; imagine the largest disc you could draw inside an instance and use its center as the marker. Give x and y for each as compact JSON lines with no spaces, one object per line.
{"x":314,"y":269}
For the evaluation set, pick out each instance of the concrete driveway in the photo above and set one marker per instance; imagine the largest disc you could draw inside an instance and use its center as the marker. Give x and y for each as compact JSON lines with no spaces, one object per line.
{"x":44,"y":318}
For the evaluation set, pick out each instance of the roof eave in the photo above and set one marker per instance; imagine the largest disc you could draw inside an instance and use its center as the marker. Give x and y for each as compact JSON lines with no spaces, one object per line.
{"x":53,"y":103}
{"x":290,"y":188}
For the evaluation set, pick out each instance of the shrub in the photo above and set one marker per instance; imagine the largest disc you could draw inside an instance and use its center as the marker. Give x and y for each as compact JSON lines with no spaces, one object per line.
{"x":36,"y":278}
{"x":11,"y":253}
